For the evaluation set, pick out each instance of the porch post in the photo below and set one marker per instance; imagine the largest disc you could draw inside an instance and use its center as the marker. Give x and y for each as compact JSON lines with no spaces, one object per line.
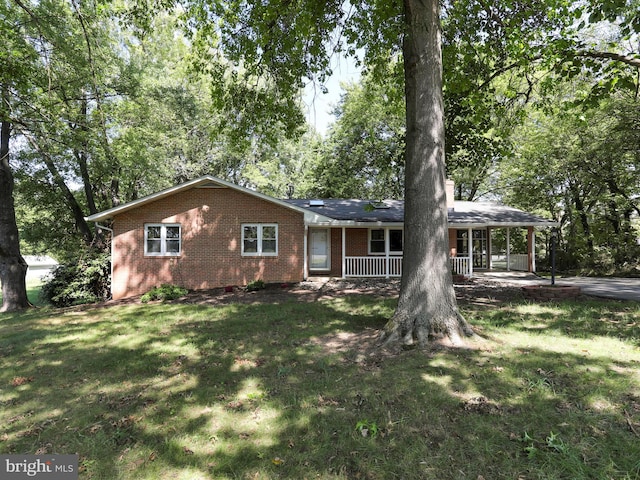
{"x":532,"y":249}
{"x":386,"y":253}
{"x":508,"y":249}
{"x":305,"y":248}
{"x":470,"y":250}
{"x":344,"y":252}
{"x":489,"y":247}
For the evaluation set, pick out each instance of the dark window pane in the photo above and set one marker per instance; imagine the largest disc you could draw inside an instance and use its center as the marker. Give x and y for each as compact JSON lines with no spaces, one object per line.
{"x":153,"y":246}
{"x":395,"y":240}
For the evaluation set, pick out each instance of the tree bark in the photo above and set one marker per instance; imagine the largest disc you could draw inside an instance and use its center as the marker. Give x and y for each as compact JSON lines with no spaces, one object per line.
{"x":427,"y":306}
{"x":13,"y":268}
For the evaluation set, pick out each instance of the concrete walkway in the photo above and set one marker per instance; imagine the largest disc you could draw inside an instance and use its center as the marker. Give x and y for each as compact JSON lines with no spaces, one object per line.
{"x":609,"y":287}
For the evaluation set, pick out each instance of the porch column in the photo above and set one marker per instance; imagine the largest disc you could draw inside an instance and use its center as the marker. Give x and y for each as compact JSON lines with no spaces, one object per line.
{"x":470,"y":250}
{"x":489,"y":247}
{"x":531,"y":264}
{"x":305,"y":248}
{"x":386,"y":253}
{"x":508,"y":249}
{"x":344,"y":252}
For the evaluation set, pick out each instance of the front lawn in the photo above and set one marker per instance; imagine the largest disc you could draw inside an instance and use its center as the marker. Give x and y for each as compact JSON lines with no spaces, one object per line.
{"x":283,"y":390}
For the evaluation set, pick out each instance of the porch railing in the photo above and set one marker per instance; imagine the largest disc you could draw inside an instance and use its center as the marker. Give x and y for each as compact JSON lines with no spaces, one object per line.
{"x":392,"y":266}
{"x":516,"y":261}
{"x":460,"y":265}
{"x":373,"y":267}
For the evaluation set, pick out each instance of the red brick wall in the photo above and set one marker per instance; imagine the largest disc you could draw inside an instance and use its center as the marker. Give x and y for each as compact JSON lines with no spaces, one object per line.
{"x":453,"y":242}
{"x":211,"y":243}
{"x":357,"y":242}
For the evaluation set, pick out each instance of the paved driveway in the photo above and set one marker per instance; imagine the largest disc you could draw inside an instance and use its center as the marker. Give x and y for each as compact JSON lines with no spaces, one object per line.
{"x":609,"y":287}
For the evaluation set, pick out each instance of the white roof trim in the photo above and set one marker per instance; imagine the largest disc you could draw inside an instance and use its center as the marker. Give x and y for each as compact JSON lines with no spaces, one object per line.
{"x":460,"y":226}
{"x":353,"y":223}
{"x":201,"y":181}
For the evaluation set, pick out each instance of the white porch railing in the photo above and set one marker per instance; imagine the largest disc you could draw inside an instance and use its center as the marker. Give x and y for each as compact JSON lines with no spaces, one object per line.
{"x":519,"y":261}
{"x":461,"y":265}
{"x":516,"y":261}
{"x":373,"y":266}
{"x":392,"y":266}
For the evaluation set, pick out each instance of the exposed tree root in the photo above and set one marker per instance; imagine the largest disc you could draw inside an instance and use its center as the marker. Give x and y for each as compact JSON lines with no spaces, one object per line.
{"x":410,"y":333}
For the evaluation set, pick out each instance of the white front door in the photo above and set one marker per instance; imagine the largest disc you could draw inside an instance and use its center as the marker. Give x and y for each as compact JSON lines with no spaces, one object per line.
{"x":319,"y":246}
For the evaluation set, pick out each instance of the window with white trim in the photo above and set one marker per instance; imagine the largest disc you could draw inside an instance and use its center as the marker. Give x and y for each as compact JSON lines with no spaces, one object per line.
{"x":376,"y":241}
{"x":162,"y":239}
{"x":383,"y":240}
{"x":259,"y":239}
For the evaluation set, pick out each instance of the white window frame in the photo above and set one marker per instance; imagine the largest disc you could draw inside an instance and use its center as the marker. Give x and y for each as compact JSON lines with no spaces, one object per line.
{"x":260,"y":232}
{"x":387,"y":242}
{"x":384,"y":240}
{"x":163,"y":240}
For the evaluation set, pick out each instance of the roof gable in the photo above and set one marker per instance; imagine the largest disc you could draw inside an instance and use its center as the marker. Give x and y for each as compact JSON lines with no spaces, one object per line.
{"x":207,"y":181}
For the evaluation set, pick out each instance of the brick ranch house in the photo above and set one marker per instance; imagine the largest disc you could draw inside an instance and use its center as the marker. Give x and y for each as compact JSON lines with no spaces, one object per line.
{"x":209,"y":233}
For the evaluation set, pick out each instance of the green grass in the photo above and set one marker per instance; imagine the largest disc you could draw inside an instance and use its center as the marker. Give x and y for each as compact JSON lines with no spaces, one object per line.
{"x":257,"y":392}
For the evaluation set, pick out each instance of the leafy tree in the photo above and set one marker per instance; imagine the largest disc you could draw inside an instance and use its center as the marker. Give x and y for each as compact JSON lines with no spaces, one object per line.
{"x":363,"y":153}
{"x":580,"y":165}
{"x":13,"y":267}
{"x":18,"y":59}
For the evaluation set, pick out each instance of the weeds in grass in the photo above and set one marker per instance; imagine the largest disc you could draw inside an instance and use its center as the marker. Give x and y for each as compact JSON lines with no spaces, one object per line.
{"x":367,"y":428}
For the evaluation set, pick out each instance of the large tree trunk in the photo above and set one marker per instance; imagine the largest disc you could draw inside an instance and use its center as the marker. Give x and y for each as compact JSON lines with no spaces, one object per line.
{"x":427,"y":305}
{"x":13,"y":268}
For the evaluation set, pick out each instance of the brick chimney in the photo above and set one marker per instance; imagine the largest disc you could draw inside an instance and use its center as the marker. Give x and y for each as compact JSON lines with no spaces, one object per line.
{"x":449,"y":188}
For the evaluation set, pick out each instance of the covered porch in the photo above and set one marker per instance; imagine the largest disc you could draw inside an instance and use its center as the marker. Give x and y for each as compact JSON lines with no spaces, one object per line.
{"x":377,"y":251}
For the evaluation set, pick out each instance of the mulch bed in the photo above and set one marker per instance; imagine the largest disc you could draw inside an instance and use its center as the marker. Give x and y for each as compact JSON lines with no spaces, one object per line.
{"x":476,"y":291}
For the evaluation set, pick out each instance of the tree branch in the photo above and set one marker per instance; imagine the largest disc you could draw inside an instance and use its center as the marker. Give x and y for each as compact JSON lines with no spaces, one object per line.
{"x":632,"y":60}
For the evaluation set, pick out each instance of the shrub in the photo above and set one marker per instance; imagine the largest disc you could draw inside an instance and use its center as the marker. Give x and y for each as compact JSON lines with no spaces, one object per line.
{"x":164,"y":292}
{"x":86,"y":280}
{"x":255,"y":285}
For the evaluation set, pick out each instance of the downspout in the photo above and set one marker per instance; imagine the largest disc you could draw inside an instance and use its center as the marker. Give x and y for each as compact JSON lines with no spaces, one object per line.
{"x":305,"y":262}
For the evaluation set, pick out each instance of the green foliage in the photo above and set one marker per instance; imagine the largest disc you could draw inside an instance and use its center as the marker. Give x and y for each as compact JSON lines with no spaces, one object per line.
{"x":579,"y":166}
{"x":363,"y":154}
{"x":255,"y":285}
{"x":164,"y":292}
{"x":86,"y":280}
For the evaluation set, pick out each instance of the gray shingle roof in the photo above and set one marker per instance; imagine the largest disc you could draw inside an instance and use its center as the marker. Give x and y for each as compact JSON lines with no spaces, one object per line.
{"x":464,"y":213}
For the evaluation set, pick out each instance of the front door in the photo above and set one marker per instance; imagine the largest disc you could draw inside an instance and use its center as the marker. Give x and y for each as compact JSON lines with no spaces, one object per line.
{"x":319,"y":248}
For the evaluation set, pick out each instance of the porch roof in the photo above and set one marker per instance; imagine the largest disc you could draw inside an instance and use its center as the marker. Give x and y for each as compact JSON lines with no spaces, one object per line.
{"x":353,"y":212}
